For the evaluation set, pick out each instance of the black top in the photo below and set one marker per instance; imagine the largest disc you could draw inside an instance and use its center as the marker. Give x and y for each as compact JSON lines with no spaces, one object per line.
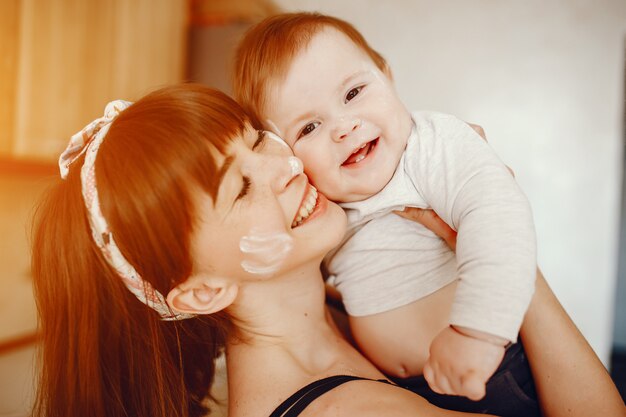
{"x":294,"y":405}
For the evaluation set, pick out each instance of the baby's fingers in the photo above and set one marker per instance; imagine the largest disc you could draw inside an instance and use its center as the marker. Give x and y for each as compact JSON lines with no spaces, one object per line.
{"x":473,"y":387}
{"x":430,"y":220}
{"x":429,"y":376}
{"x":437,"y":381}
{"x":478,"y":129}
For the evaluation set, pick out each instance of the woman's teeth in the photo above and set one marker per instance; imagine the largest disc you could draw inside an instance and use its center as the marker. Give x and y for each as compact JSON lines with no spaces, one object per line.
{"x":306,"y":208}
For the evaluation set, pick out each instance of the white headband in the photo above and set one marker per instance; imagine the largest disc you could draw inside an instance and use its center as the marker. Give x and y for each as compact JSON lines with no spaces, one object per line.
{"x":88,"y":141}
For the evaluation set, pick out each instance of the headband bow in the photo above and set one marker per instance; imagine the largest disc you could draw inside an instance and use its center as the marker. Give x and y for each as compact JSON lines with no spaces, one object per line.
{"x":97,"y":129}
{"x":88,"y":141}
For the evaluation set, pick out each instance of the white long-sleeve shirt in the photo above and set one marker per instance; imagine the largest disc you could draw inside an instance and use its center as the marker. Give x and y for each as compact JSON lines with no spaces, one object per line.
{"x":386,"y":262}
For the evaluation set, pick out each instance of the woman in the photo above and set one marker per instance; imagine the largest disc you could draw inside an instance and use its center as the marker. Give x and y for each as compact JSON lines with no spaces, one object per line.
{"x":191,"y":207}
{"x":180,"y":231}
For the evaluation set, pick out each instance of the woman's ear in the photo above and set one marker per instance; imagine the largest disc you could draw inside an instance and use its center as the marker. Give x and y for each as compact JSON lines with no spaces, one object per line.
{"x":202,"y":295}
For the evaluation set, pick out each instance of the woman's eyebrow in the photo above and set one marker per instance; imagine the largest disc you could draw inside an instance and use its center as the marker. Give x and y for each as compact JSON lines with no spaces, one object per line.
{"x":260,"y":138}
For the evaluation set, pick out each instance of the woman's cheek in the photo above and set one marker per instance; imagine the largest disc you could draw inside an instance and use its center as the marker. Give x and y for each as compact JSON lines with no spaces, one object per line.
{"x":264,"y":251}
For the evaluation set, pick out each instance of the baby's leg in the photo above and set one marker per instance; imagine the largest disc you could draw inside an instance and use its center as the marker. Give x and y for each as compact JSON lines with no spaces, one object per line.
{"x":569,"y":378}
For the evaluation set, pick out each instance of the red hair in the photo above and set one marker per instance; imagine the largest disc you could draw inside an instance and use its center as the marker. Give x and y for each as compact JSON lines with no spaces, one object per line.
{"x":265,"y":54}
{"x":104,"y":353}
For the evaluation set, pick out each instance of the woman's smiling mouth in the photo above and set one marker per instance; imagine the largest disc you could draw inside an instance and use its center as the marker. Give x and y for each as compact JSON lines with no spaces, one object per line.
{"x":309,"y":203}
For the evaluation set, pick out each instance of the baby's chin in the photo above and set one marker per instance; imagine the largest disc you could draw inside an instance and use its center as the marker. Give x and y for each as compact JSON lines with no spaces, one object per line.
{"x":361,"y":193}
{"x":350,"y":187}
{"x":369,"y":185}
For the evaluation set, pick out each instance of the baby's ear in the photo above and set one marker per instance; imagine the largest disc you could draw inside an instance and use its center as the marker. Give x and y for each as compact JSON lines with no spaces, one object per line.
{"x":202,"y":295}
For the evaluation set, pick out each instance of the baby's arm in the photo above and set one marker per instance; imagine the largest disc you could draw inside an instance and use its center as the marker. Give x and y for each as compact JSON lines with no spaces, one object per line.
{"x":449,"y":346}
{"x":570,"y":379}
{"x":468,"y":186}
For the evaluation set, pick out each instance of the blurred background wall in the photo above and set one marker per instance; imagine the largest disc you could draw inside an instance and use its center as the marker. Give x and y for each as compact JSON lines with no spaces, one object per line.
{"x":544,"y":78}
{"x":61,"y":61}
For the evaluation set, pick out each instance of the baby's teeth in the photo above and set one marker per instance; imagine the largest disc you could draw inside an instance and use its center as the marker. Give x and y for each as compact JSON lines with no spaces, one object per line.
{"x":303,"y":212}
{"x":359,"y":158}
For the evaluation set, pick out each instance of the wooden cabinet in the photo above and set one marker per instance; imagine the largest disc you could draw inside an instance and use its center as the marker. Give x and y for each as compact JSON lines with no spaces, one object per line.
{"x":63,"y":60}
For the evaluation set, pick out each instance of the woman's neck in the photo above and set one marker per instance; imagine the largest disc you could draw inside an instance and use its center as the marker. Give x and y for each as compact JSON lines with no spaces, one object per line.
{"x":286,"y":339}
{"x":281,"y":311}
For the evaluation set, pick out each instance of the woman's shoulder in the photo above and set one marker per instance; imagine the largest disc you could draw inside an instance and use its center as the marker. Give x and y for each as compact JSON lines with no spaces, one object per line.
{"x":365,"y":398}
{"x":343,"y":396}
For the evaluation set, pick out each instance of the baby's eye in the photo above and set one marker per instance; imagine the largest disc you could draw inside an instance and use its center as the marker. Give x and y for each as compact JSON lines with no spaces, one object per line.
{"x":308,"y":129}
{"x":353,"y":93}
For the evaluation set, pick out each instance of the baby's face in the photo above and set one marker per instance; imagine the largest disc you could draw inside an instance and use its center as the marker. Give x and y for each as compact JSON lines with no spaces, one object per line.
{"x":342,"y":117}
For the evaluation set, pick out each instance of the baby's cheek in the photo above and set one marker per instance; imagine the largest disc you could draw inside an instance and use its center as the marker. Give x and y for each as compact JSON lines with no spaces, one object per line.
{"x":318,"y":177}
{"x":316,"y":166}
{"x":319,"y":168}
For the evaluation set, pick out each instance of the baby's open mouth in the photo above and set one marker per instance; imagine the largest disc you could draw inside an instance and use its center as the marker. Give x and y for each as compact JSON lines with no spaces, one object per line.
{"x":307,"y":206}
{"x":361,"y":153}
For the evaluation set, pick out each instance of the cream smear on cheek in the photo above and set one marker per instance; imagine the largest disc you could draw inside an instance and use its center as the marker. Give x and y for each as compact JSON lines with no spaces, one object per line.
{"x":384,"y":81}
{"x":264,"y":251}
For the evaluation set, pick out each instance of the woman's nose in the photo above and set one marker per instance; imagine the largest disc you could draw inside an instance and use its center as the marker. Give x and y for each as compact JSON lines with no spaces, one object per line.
{"x":293,"y":169}
{"x":280,"y":170}
{"x":278,"y":143}
{"x":344,"y":127}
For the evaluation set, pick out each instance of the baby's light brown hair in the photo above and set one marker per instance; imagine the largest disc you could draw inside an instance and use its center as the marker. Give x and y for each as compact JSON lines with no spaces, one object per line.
{"x":265,"y":54}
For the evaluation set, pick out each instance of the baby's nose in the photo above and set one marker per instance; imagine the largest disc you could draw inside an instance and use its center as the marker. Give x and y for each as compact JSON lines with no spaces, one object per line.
{"x":345,"y":127}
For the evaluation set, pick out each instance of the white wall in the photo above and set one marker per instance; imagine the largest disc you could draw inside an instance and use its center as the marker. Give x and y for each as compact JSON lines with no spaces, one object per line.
{"x":545,"y":80}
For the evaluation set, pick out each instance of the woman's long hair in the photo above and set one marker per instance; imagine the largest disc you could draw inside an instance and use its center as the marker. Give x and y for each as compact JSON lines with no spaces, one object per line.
{"x":104,"y":353}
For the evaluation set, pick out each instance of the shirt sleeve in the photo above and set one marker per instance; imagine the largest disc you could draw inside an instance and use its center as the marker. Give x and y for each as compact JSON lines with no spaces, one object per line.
{"x":467,"y":185}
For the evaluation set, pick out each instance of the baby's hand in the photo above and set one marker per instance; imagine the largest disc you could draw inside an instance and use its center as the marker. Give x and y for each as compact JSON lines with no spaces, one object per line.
{"x":462,"y":365}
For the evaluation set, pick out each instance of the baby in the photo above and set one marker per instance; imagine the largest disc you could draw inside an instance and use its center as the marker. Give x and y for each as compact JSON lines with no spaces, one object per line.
{"x":414,"y":307}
